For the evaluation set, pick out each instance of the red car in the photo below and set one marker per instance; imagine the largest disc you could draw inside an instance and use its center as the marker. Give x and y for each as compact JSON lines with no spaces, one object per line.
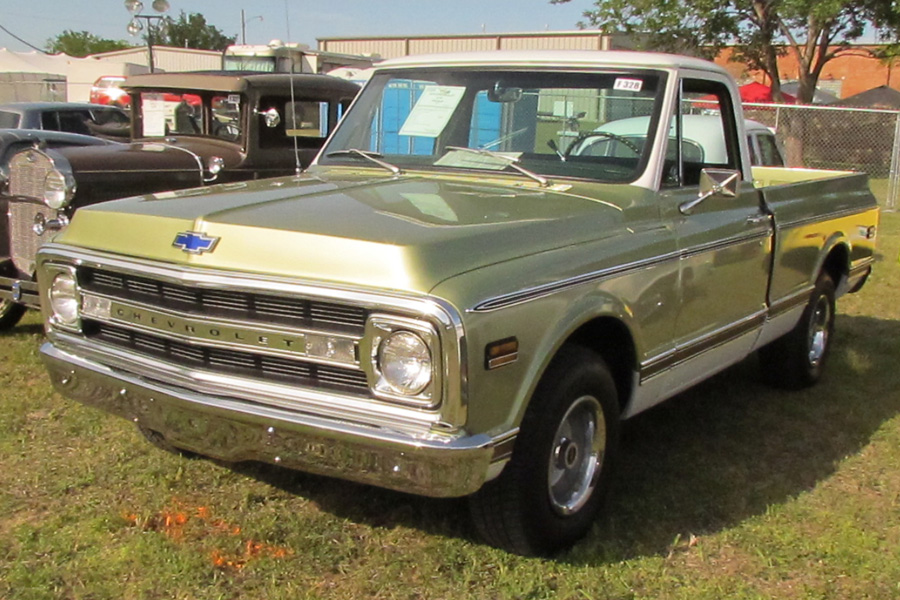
{"x":107,"y":90}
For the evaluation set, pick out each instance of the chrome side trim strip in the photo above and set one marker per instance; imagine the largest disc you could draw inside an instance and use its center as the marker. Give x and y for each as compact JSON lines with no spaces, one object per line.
{"x":788,"y":303}
{"x":653,"y":367}
{"x":861,"y":266}
{"x":540,"y":291}
{"x":532,"y":293}
{"x":725,"y":244}
{"x":820,"y":218}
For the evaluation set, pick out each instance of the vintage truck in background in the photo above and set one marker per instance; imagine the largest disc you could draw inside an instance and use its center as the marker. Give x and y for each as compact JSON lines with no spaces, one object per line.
{"x":463,"y":296}
{"x":187,"y":130}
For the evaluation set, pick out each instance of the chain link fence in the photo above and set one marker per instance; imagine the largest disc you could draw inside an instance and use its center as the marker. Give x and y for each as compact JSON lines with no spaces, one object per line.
{"x":853,"y":139}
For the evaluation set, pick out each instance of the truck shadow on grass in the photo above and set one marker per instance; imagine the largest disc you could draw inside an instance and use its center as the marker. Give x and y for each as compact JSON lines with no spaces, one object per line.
{"x":704,"y":461}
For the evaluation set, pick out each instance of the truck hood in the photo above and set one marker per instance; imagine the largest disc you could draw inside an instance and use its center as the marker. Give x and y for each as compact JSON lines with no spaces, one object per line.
{"x":404,"y":233}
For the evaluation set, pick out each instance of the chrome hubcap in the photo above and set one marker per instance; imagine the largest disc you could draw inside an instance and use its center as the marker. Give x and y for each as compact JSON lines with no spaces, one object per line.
{"x":818,"y":331}
{"x":577,"y":456}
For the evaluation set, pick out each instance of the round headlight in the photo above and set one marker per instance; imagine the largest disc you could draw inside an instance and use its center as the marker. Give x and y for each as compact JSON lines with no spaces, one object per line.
{"x":56,"y":191}
{"x":64,"y":299}
{"x":405,"y":362}
{"x":215,"y":165}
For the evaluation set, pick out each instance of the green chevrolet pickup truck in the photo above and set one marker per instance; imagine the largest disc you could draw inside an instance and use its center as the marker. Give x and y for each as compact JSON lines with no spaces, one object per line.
{"x":472,"y":286}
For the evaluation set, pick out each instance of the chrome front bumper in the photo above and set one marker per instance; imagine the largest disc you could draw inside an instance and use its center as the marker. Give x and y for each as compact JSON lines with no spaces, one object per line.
{"x":236,"y":430}
{"x":20,"y":291}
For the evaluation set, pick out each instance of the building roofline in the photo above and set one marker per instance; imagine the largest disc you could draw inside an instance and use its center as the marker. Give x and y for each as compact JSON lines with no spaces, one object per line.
{"x":156,"y":48}
{"x":438,"y":36}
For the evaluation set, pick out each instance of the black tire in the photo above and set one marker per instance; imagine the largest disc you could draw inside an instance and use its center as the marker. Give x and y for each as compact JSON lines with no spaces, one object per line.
{"x":10,"y":314}
{"x":549,"y":494}
{"x":797,"y":360}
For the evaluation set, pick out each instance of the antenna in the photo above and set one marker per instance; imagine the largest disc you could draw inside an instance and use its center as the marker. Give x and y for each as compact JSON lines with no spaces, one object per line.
{"x":287,"y":23}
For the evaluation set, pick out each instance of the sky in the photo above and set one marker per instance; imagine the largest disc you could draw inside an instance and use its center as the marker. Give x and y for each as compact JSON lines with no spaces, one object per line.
{"x":36,"y":21}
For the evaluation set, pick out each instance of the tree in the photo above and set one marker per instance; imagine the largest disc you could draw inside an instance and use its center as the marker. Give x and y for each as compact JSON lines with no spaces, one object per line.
{"x":82,"y":43}
{"x":191,"y":31}
{"x":814,"y":31}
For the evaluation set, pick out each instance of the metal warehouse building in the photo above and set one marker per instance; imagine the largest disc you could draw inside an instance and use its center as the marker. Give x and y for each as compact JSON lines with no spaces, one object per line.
{"x":395,"y":46}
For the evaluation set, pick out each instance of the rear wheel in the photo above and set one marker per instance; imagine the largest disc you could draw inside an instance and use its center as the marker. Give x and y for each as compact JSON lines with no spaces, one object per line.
{"x":554,"y":485}
{"x":10,"y":314}
{"x":797,"y":360}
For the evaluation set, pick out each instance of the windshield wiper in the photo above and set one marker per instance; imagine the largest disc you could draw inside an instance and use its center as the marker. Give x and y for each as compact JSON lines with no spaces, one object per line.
{"x":509,"y":160}
{"x":370,"y":156}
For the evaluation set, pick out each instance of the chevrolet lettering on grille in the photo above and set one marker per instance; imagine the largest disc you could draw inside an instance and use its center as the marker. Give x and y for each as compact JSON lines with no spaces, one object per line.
{"x":211,"y":333}
{"x":194,"y":242}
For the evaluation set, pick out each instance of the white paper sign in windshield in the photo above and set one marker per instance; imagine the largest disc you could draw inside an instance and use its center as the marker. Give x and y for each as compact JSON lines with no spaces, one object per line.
{"x":154,"y":110}
{"x":433,"y":110}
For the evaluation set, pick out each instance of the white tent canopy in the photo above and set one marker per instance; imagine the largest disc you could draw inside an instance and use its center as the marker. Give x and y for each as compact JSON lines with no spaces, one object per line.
{"x":34,"y":62}
{"x":38,"y":76}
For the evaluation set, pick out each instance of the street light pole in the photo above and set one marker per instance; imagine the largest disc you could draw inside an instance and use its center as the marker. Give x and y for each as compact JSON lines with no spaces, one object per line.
{"x":156,"y":24}
{"x":244,"y":25}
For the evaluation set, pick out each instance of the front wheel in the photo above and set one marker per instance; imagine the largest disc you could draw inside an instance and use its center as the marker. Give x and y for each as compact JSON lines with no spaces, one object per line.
{"x":10,"y":314}
{"x":797,"y":359}
{"x":557,"y":479}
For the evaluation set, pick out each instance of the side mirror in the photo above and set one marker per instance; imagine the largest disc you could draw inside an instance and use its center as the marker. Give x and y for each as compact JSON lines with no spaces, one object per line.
{"x":714,"y":182}
{"x":272,"y":117}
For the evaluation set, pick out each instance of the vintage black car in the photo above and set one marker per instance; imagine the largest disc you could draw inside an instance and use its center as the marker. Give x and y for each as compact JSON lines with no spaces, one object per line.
{"x":188,"y":130}
{"x":110,"y":122}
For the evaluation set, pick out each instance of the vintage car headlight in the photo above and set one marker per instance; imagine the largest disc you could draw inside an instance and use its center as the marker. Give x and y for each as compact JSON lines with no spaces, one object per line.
{"x":65,"y":299}
{"x":57,"y":191}
{"x":215,"y":165}
{"x":404,"y":360}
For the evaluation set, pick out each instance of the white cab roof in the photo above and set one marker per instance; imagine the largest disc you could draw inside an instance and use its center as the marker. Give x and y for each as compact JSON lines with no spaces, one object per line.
{"x":578,"y":59}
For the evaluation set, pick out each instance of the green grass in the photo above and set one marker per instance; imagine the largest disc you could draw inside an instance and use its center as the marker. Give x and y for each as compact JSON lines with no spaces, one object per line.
{"x":732,"y":490}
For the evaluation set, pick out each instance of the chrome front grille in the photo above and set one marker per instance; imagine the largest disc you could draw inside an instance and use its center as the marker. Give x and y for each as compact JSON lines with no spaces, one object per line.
{"x":232,"y":362}
{"x":239,"y":316}
{"x":232,"y":305}
{"x":27,"y":171}
{"x":23,"y":241}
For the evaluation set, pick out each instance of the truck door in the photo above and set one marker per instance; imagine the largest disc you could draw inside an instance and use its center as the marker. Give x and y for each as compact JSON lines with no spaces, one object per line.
{"x":724,"y":243}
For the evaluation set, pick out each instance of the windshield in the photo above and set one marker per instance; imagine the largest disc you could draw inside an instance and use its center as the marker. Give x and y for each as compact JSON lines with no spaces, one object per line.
{"x":542,"y":121}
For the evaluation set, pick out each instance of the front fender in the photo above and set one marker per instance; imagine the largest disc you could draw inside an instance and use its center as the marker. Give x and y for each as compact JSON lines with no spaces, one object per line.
{"x":542,"y":324}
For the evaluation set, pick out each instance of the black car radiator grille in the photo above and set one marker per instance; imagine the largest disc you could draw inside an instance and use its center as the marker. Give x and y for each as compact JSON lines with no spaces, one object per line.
{"x":231,"y":362}
{"x":239,"y":305}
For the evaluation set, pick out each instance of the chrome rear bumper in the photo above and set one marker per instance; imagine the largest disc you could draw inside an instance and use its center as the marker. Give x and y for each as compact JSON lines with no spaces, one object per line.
{"x":237,"y":430}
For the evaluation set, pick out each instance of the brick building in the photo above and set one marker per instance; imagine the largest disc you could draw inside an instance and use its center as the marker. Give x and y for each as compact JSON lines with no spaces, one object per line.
{"x":844,"y":76}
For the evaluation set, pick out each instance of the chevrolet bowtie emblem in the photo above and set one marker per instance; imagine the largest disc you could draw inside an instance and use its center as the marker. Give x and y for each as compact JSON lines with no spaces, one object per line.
{"x":195,"y":242}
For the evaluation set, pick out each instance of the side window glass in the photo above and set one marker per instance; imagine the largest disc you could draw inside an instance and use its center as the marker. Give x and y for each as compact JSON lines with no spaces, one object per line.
{"x":74,"y":122}
{"x":282,"y":122}
{"x":702,"y":135}
{"x":769,"y":154}
{"x":49,"y":121}
{"x":226,"y":117}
